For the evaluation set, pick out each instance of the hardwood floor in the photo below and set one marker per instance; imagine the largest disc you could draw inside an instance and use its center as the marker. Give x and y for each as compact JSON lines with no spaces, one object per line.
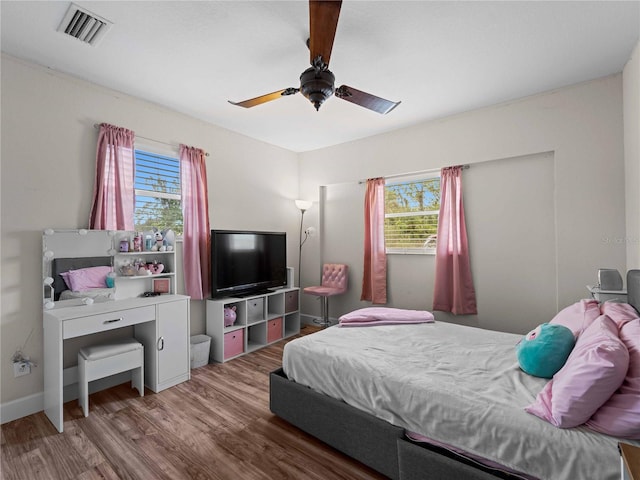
{"x":216,"y":426}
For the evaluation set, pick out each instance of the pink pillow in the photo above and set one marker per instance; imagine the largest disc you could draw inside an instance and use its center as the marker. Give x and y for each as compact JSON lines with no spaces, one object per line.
{"x":86,"y":278}
{"x":65,"y":277}
{"x":579,"y":316}
{"x":620,"y":313}
{"x":620,"y":415}
{"x":593,"y":372}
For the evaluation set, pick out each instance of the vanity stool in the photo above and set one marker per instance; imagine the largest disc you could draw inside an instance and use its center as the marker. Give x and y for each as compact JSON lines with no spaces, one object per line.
{"x":100,"y":361}
{"x":335,"y":277}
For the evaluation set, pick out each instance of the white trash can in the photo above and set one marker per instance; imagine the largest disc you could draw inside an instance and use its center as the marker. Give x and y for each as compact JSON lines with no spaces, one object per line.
{"x":200,"y":346}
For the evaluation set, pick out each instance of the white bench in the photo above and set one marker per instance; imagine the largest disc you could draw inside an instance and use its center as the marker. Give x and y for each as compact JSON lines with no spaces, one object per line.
{"x":100,"y":361}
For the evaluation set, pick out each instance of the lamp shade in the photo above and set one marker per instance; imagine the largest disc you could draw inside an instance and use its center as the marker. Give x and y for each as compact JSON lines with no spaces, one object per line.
{"x":303,"y":204}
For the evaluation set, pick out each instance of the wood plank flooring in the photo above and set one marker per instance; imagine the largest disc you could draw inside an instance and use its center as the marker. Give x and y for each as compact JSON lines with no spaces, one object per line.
{"x":216,"y":426}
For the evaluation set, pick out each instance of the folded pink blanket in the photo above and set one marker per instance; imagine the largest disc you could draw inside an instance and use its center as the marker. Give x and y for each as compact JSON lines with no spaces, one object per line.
{"x":384,"y":316}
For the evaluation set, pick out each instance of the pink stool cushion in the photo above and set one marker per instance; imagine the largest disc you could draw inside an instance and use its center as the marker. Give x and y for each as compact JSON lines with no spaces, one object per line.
{"x":323,"y":291}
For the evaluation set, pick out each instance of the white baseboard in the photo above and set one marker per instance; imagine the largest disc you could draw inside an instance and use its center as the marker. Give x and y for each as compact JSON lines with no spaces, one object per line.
{"x":307,"y":319}
{"x":315,"y":320}
{"x":22,"y":407}
{"x":25,"y":406}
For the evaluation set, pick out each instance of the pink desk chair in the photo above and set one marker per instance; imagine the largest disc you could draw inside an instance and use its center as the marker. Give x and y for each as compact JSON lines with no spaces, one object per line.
{"x":334,"y":282}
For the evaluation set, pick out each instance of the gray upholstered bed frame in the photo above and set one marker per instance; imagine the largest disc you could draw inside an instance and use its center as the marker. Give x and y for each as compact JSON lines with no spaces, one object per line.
{"x":374,"y":442}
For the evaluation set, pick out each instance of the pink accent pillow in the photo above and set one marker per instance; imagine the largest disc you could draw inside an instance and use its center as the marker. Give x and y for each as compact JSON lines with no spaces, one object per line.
{"x":86,"y":278}
{"x":579,"y":316}
{"x":593,"y":372}
{"x":620,"y":313}
{"x":65,"y":277}
{"x":620,"y":415}
{"x":391,"y":315}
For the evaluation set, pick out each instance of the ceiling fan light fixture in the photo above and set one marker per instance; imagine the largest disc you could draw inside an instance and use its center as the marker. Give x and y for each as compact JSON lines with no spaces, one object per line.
{"x":317,"y":85}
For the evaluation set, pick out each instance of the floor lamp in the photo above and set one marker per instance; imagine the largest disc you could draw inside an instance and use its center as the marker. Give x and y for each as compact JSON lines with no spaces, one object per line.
{"x":303,"y":205}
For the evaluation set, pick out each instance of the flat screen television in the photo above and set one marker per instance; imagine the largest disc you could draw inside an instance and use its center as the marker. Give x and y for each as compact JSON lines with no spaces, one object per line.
{"x":247,"y":262}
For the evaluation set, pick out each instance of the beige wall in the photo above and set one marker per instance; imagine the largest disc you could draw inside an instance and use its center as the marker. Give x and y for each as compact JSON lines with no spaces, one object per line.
{"x":581,"y":126}
{"x":631,"y":89}
{"x":48,"y":156}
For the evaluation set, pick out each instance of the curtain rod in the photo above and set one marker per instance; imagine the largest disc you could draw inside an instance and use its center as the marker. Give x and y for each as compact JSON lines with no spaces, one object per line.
{"x":432,"y":170}
{"x":97,"y":126}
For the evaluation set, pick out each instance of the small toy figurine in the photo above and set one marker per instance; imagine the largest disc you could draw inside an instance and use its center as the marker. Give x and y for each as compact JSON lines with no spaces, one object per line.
{"x":158,"y":244}
{"x":156,"y":268}
{"x":229,"y":316}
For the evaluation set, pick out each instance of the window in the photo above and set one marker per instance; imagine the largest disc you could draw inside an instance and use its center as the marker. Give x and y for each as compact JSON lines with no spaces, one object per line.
{"x":411,"y":214}
{"x":157,"y":189}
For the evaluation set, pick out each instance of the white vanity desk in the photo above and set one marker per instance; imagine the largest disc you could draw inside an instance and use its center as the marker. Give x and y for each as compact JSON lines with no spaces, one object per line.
{"x":160,"y":323}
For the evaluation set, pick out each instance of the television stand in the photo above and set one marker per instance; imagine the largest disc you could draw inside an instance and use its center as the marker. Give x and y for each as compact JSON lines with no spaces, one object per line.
{"x":253,"y":294}
{"x":261,"y":319}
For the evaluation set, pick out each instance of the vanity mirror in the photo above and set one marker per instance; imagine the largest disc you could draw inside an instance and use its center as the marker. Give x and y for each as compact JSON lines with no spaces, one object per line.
{"x":100,"y":265}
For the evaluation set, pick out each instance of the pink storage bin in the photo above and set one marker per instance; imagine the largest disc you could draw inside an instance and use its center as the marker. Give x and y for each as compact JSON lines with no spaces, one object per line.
{"x":274,"y":330}
{"x":291,"y":302}
{"x":233,"y":343}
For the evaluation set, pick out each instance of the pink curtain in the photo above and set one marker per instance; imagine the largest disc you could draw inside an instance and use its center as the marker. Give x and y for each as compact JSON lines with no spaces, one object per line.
{"x":374,"y":279}
{"x":113,"y":191}
{"x":195,"y":212}
{"x":454,"y":291}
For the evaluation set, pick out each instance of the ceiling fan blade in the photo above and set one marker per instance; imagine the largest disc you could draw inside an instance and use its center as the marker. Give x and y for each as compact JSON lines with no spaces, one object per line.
{"x":365,"y":99}
{"x":323,"y":21}
{"x":252,"y":102}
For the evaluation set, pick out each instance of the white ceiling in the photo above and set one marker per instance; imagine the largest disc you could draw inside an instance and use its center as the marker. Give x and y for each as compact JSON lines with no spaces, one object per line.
{"x":438,"y":57}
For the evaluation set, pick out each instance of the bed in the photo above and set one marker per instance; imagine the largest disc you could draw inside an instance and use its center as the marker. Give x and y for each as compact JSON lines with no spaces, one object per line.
{"x":371,"y":392}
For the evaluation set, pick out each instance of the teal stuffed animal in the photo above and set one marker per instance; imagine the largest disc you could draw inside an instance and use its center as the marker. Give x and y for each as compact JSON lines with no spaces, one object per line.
{"x":544,"y":350}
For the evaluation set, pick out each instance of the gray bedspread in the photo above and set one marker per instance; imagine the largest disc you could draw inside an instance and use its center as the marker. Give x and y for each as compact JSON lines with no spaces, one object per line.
{"x":460,"y":386}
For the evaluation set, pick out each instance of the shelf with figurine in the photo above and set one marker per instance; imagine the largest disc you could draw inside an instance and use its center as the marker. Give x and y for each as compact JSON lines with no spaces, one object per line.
{"x":135,"y":277}
{"x":145,"y":252}
{"x":141,"y":268}
{"x":146,"y":255}
{"x":152,"y":241}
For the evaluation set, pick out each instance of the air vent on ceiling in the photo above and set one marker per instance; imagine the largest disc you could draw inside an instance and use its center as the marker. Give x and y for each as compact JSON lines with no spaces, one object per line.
{"x":84,"y":25}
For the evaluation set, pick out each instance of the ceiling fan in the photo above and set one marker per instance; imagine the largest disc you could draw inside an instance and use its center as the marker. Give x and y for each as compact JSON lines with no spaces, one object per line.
{"x":317,"y":81}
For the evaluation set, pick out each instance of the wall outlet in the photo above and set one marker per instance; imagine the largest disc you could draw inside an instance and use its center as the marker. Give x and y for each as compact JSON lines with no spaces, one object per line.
{"x":21,"y":368}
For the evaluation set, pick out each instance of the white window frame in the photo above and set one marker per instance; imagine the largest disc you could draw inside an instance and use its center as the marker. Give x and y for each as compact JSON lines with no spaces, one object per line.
{"x":404,"y":179}
{"x":166,"y":152}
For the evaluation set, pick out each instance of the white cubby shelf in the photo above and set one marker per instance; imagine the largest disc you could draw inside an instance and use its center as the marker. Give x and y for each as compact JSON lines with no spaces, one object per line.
{"x":260,"y":321}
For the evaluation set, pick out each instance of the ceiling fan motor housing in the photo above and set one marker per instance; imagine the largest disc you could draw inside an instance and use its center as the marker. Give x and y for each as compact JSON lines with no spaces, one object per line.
{"x":317,"y":85}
